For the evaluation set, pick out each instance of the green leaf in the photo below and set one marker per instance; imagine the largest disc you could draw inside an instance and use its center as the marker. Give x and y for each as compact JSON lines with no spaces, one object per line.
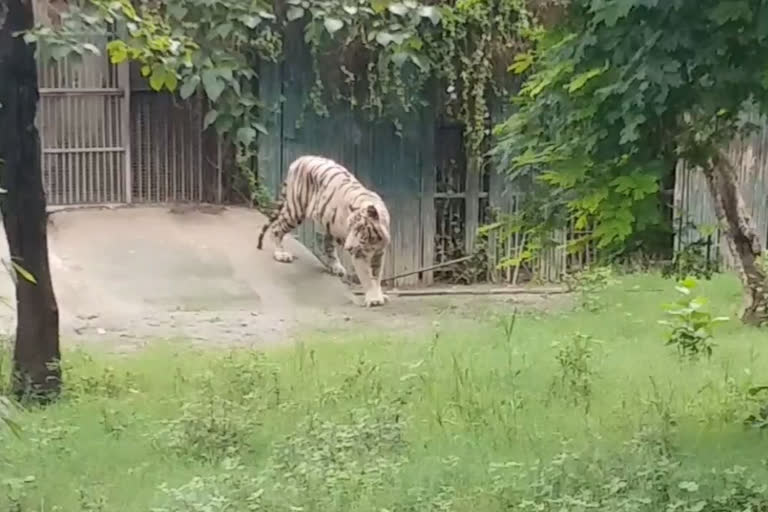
{"x":24,"y":272}
{"x":146,"y":71}
{"x":224,"y":123}
{"x":171,"y":81}
{"x":223,"y":30}
{"x":294,"y":13}
{"x":689,"y":486}
{"x":733,"y":10}
{"x":246,"y":135}
{"x":176,"y":10}
{"x":521,"y":63}
{"x":379,"y":6}
{"x":60,"y":51}
{"x":92,"y":48}
{"x":118,"y":51}
{"x":333,"y":25}
{"x":432,"y":12}
{"x":384,"y":38}
{"x":212,"y":84}
{"x":189,"y":86}
{"x":399,"y":58}
{"x":157,"y":79}
{"x":210,"y":118}
{"x":581,"y":79}
{"x":251,"y":21}
{"x":689,"y":283}
{"x":612,"y":12}
{"x":260,"y":128}
{"x":398,"y":9}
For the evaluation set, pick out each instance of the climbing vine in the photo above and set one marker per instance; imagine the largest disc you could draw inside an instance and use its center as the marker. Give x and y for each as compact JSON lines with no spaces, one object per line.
{"x":380,"y":56}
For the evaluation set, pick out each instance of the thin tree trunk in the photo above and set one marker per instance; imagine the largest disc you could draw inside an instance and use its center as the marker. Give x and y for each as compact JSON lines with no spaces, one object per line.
{"x":741,"y":236}
{"x":36,"y":351}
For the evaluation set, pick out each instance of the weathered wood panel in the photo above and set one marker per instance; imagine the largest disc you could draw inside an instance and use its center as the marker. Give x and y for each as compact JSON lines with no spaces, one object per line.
{"x":693,"y":203}
{"x":388,"y":163}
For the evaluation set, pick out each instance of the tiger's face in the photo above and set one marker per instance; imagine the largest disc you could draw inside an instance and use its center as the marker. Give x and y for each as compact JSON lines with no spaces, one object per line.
{"x":367,"y":234}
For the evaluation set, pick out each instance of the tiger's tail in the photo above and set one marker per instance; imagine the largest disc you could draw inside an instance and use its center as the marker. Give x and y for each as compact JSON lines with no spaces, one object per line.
{"x":273,"y":217}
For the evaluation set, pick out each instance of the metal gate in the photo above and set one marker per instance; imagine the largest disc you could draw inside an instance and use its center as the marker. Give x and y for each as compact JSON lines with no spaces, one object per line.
{"x":84,"y":126}
{"x":108,"y":139}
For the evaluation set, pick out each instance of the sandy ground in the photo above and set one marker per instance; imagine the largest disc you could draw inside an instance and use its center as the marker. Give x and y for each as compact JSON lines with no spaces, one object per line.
{"x":126,"y":276}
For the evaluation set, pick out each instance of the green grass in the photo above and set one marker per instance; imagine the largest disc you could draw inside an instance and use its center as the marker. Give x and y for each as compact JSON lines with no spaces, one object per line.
{"x":464,"y":419}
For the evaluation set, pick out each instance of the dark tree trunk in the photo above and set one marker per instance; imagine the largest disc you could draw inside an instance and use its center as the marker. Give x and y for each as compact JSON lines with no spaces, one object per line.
{"x":741,"y":236}
{"x":36,"y":351}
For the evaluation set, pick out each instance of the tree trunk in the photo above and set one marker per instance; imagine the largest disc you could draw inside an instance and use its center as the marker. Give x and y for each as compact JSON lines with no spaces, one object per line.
{"x":36,"y":351}
{"x":741,"y":236}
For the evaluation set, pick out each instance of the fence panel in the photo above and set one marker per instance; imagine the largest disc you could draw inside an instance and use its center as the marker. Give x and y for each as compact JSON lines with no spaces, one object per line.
{"x":82,"y":121}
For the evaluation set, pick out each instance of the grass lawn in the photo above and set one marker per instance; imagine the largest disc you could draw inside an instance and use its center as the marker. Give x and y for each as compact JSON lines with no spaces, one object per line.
{"x":465,"y":419}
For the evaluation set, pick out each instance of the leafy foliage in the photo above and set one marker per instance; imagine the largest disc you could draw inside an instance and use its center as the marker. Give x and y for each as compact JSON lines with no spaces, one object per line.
{"x":589,"y":283}
{"x":695,"y":259}
{"x":380,"y":55}
{"x":621,"y":90}
{"x":691,"y":326}
{"x":574,"y":359}
{"x":6,"y":415}
{"x":377,"y":56}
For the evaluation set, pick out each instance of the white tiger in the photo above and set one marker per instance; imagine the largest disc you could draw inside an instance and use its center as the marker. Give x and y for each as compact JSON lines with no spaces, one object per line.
{"x":353,"y":216}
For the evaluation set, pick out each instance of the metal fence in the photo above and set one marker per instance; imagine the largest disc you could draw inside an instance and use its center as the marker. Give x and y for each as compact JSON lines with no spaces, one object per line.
{"x":107,"y":139}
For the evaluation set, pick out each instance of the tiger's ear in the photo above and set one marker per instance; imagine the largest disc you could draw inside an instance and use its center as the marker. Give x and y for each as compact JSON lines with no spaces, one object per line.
{"x":372,"y":212}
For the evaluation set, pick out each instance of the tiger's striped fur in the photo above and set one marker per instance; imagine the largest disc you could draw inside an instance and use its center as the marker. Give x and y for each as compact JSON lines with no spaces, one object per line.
{"x":353,"y":216}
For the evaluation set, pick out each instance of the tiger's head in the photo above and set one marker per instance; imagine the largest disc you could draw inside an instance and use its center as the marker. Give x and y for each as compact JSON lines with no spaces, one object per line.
{"x":368,"y":231}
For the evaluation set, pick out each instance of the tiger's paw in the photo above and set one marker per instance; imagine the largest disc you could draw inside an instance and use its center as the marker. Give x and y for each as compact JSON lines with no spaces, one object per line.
{"x":337,"y":269}
{"x":375,"y":299}
{"x":283,"y":256}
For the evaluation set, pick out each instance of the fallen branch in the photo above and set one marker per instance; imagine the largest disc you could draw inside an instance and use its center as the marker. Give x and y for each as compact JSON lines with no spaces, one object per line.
{"x":426,"y":269}
{"x":470,"y":291}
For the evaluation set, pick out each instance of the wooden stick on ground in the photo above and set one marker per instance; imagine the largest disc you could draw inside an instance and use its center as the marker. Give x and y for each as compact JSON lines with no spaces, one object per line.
{"x":426,"y":269}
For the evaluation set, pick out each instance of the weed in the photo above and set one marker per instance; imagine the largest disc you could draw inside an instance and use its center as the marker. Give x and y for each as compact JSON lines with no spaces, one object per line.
{"x":691,"y":328}
{"x":105,"y":382}
{"x":763,"y":262}
{"x":231,"y":487}
{"x":696,"y":259}
{"x":575,"y":364}
{"x":758,"y":396}
{"x":589,"y":283}
{"x":207,"y":430}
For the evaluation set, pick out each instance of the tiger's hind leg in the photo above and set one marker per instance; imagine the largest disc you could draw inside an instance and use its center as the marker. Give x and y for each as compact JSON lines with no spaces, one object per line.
{"x":277,"y":229}
{"x":277,"y":233}
{"x":330,"y":249}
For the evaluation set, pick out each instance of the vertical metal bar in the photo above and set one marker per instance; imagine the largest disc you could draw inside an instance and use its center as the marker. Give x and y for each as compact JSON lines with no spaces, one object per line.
{"x":200,"y":157}
{"x":124,"y":80}
{"x":219,"y":184}
{"x":173,"y":160}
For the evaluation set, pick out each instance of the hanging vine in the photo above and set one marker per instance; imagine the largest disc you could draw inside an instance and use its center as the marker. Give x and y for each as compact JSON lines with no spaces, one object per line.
{"x":378,"y":56}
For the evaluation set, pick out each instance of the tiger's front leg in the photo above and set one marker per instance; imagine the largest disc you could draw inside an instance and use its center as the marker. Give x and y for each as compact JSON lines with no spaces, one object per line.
{"x":370,"y":283}
{"x":377,"y":266}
